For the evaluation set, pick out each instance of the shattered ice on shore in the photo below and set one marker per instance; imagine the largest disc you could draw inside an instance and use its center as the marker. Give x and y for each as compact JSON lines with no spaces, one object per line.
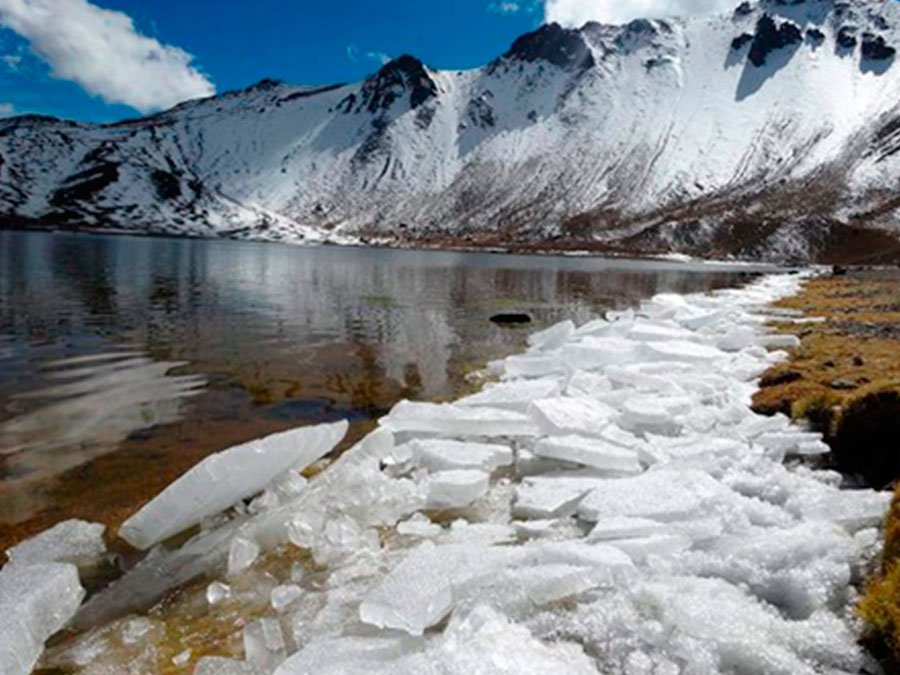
{"x":611,"y":504}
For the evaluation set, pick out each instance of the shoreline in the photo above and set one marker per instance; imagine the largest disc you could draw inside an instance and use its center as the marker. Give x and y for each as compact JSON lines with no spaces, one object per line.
{"x":614,"y":468}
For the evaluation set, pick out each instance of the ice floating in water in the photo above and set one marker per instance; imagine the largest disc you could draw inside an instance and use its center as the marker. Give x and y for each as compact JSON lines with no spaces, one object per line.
{"x":223,"y":479}
{"x":73,"y":541}
{"x":36,"y":601}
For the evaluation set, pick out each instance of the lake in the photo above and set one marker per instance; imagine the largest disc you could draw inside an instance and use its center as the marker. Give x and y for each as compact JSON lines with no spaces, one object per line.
{"x":125,"y":360}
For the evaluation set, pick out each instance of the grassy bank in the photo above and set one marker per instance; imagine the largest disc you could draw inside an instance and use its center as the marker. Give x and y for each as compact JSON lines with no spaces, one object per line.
{"x":845,"y":380}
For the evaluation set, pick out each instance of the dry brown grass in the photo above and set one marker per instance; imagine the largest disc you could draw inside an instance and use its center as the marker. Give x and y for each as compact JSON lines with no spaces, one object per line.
{"x":845,"y":379}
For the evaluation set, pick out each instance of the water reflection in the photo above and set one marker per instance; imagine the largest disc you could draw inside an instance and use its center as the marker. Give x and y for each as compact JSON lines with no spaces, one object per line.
{"x":140,"y":356}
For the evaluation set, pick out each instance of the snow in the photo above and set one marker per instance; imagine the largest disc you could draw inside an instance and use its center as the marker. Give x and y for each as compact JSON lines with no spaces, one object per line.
{"x":665,"y":113}
{"x":635,"y":517}
{"x":223,"y":479}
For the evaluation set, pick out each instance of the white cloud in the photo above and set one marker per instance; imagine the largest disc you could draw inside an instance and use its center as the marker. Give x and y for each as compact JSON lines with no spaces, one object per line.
{"x":354,"y":54}
{"x":102,"y":51}
{"x":504,"y":7}
{"x":7,"y":110}
{"x":578,"y":12}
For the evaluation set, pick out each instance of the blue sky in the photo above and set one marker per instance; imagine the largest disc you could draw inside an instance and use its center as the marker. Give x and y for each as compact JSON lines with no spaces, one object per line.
{"x":236,"y":43}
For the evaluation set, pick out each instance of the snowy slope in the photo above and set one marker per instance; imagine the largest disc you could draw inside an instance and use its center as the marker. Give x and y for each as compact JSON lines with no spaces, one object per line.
{"x":771,"y":132}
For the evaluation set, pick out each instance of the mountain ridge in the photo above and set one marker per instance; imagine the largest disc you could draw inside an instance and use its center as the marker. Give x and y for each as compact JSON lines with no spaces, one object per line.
{"x":770,"y":133}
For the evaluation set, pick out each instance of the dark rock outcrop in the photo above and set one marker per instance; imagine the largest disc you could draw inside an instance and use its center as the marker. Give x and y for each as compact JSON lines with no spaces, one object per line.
{"x":876,"y":49}
{"x":554,"y":44}
{"x":405,"y":75}
{"x":770,"y":37}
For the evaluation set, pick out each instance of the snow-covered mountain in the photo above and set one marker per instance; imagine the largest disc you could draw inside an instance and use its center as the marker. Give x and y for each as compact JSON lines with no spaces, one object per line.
{"x":772,"y":132}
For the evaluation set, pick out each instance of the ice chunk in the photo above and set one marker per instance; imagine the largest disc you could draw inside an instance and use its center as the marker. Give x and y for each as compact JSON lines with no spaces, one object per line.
{"x":73,"y":541}
{"x":456,"y":489}
{"x":36,"y":601}
{"x":181,"y":659}
{"x":598,"y":352}
{"x":778,"y":341}
{"x":419,"y":526}
{"x":218,"y":665}
{"x":283,"y":596}
{"x":264,"y":645}
{"x":658,"y":414}
{"x":515,"y":395}
{"x":587,"y":384}
{"x":451,"y":420}
{"x":241,"y":555}
{"x":419,"y":592}
{"x":533,"y":365}
{"x":479,"y":642}
{"x":852,"y":509}
{"x":217,"y":592}
{"x":593,"y":452}
{"x":679,"y":350}
{"x":641,"y":548}
{"x":442,"y":455}
{"x":553,"y":337}
{"x":542,"y":497}
{"x":623,"y":527}
{"x":564,"y":415}
{"x":646,"y":331}
{"x":223,"y":479}
{"x":664,"y":495}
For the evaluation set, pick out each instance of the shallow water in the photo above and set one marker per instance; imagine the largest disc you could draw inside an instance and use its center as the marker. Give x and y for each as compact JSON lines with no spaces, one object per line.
{"x":125,"y":360}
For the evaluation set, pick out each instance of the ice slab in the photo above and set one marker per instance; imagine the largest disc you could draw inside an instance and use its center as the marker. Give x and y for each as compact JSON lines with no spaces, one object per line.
{"x":218,"y":665}
{"x":664,"y":495}
{"x":623,"y":527}
{"x":592,"y":353}
{"x":223,"y":479}
{"x":264,"y":645}
{"x":679,"y":350}
{"x":585,"y":416}
{"x":444,"y":455}
{"x":547,"y":497}
{"x":452,"y":420}
{"x":553,"y":337}
{"x":641,"y":548}
{"x":73,"y":541}
{"x":532,"y":365}
{"x":515,"y":395}
{"x":36,"y":601}
{"x":456,"y":489}
{"x":593,"y":452}
{"x":481,"y":641}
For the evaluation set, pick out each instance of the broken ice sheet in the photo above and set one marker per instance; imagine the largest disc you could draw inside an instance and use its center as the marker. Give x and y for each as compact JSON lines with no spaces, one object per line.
{"x":74,"y":541}
{"x":593,"y":452}
{"x":442,"y":455}
{"x":456,"y":420}
{"x":223,"y":479}
{"x":36,"y":601}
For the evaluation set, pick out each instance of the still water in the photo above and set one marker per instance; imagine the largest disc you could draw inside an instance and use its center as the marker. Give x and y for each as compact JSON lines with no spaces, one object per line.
{"x":125,"y":360}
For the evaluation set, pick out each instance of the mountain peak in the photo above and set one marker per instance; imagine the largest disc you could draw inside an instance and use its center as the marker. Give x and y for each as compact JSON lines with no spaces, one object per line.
{"x":405,"y":74}
{"x":564,"y":47}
